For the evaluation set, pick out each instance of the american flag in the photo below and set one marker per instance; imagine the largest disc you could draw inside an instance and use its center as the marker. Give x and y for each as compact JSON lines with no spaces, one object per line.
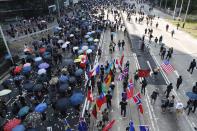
{"x":167,"y":67}
{"x":123,"y":74}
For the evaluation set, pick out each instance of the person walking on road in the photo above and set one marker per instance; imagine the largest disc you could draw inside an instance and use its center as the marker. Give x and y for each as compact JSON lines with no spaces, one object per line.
{"x":108,"y":99}
{"x":179,"y":82}
{"x":168,"y":90}
{"x":172,"y":33}
{"x":169,"y":55}
{"x":123,"y":44}
{"x":123,"y":105}
{"x":194,"y":89}
{"x":163,"y":53}
{"x":105,"y":116}
{"x":194,"y":106}
{"x":156,"y":40}
{"x":192,"y":66}
{"x":154,"y":95}
{"x":160,"y":39}
{"x":189,"y":106}
{"x":119,"y":45}
{"x":144,"y":84}
{"x":167,"y":27}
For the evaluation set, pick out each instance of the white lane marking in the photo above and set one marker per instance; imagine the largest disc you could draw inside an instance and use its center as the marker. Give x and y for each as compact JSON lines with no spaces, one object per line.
{"x":151,"y":71}
{"x":176,"y":73}
{"x":192,"y":124}
{"x":150,"y":108}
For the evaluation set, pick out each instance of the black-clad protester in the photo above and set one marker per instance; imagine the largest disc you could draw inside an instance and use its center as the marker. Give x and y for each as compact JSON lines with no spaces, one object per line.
{"x":179,"y":82}
{"x":123,"y":105}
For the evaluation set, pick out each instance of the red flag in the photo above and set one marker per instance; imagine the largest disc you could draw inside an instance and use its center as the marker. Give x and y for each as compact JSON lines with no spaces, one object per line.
{"x":101,"y":100}
{"x":141,"y":108}
{"x":130,"y":90}
{"x":90,"y":96}
{"x":109,"y":125}
{"x":108,"y":78}
{"x":94,"y":111}
{"x":117,"y":63}
{"x":137,"y":101}
{"x":121,"y":60}
{"x":143,"y":73}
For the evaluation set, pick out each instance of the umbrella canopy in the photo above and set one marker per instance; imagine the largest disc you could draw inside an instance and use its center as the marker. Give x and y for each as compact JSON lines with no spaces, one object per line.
{"x":42,"y":50}
{"x":89,"y":51}
{"x":11,"y":124}
{"x":28,"y":50}
{"x":84,"y":48}
{"x":23,"y":111}
{"x":26,"y":69}
{"x":78,"y":72}
{"x":67,"y":42}
{"x":17,"y":69}
{"x":18,"y":77}
{"x":41,"y":71}
{"x":60,"y":41}
{"x":77,"y":60}
{"x":5,"y":92}
{"x":19,"y":128}
{"x":42,"y":78}
{"x":75,"y":48}
{"x":44,"y":65}
{"x":90,"y":39}
{"x":179,"y":105}
{"x":37,"y":59}
{"x":89,"y":33}
{"x":63,"y":87}
{"x":87,"y":36}
{"x":28,"y":85}
{"x":41,"y":107}
{"x":92,"y":47}
{"x":191,"y":95}
{"x":77,"y":99}
{"x":96,"y":40}
{"x":72,"y":79}
{"x":53,"y":81}
{"x":93,"y":32}
{"x":80,"y":51}
{"x":71,"y":35}
{"x":64,"y":45}
{"x":63,"y":78}
{"x":81,"y":56}
{"x":26,"y":64}
{"x":67,"y":62}
{"x":62,"y":104}
{"x":33,"y":119}
{"x":37,"y":87}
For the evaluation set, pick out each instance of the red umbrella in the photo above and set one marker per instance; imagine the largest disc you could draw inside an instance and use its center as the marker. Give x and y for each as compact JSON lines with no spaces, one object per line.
{"x":42,"y":50}
{"x":109,"y":125}
{"x":11,"y":124}
{"x":17,"y":69}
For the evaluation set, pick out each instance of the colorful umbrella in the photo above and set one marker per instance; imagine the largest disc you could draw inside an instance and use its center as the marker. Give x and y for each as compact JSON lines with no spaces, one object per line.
{"x":77,"y":99}
{"x":89,"y":51}
{"x":5,"y":92}
{"x":28,"y":50}
{"x":77,"y":60}
{"x":23,"y":111}
{"x":84,"y":48}
{"x":26,"y":64}
{"x":17,"y":69}
{"x":19,"y":128}
{"x":26,"y":69}
{"x":90,"y":39}
{"x":44,"y":65}
{"x":11,"y":124}
{"x":41,"y":71}
{"x":87,"y":36}
{"x":81,"y":56}
{"x":41,"y":107}
{"x":42,"y":50}
{"x":37,"y":59}
{"x":96,"y":40}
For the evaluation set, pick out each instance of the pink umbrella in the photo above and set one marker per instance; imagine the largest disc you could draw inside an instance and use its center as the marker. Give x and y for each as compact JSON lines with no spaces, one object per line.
{"x":11,"y":124}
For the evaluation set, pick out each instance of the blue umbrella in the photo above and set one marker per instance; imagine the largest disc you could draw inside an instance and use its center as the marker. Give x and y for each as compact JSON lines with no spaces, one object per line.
{"x":44,"y":65}
{"x":87,"y":36}
{"x":62,"y":104}
{"x":63,"y":78}
{"x":19,"y":128}
{"x":28,"y":85}
{"x":37,"y":87}
{"x":26,"y":69}
{"x":41,"y":107}
{"x":80,"y":51}
{"x":23,"y":111}
{"x":90,"y":39}
{"x":92,"y":47}
{"x":191,"y":95}
{"x":79,"y":72}
{"x":18,"y":78}
{"x":77,"y":99}
{"x":98,"y":30}
{"x":63,"y":87}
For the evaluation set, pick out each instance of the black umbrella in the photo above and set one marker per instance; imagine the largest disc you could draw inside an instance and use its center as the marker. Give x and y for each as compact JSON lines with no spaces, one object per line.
{"x":67,"y":62}
{"x":37,"y":87}
{"x":63,"y":87}
{"x":28,"y":85}
{"x":79,"y":72}
{"x":62,"y":104}
{"x":42,"y":78}
{"x":72,"y":79}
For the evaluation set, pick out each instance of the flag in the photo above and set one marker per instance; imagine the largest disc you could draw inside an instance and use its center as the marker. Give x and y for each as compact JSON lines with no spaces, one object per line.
{"x":101,"y":100}
{"x":66,"y":126}
{"x":94,"y":111}
{"x":86,"y":79}
{"x":82,"y":125}
{"x":143,"y":73}
{"x":144,"y":128}
{"x":138,"y":102}
{"x":167,"y":67}
{"x":131,"y":126}
{"x":108,"y":78}
{"x":117,"y":63}
{"x":95,"y":70}
{"x":123,"y":74}
{"x":90,"y":96}
{"x":109,"y":125}
{"x":121,"y":60}
{"x":109,"y":67}
{"x":120,"y":77}
{"x":104,"y":88}
{"x":130,"y":90}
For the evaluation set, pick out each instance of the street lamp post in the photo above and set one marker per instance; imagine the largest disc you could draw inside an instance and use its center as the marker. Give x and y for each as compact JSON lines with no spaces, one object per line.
{"x":175,"y":10}
{"x":181,"y":9}
{"x":6,"y":45}
{"x":166,"y":4}
{"x":58,"y":6}
{"x":187,"y":10}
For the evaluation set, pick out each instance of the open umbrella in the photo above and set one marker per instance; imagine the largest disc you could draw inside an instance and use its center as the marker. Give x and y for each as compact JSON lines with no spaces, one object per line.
{"x":80,"y":51}
{"x":26,"y":64}
{"x":17,"y":69}
{"x":23,"y":111}
{"x":18,"y":77}
{"x":26,"y":69}
{"x":72,"y":79}
{"x":84,"y":48}
{"x":77,"y":60}
{"x":75,"y":48}
{"x":5,"y":92}
{"x":41,"y":107}
{"x":63,"y":79}
{"x":62,"y":104}
{"x":67,"y":62}
{"x":96,"y":40}
{"x":87,"y":36}
{"x":191,"y":95}
{"x":37,"y":87}
{"x":71,"y":35}
{"x":67,"y":42}
{"x":90,"y":39}
{"x":64,"y":45}
{"x":37,"y":59}
{"x":89,"y":33}
{"x":81,"y":56}
{"x":92,"y":47}
{"x":76,"y":99}
{"x":63,"y":87}
{"x":11,"y":124}
{"x":93,"y":32}
{"x":78,"y":72}
{"x":41,"y":71}
{"x":33,"y":119}
{"x":44,"y":65}
{"x":42,"y":78}
{"x":19,"y":128}
{"x":28,"y":85}
{"x":53,"y":81}
{"x":89,"y":51}
{"x":60,"y":41}
{"x":42,"y":50}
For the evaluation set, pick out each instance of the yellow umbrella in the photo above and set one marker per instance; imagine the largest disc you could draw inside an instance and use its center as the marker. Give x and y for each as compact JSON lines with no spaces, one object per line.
{"x":77,"y":60}
{"x":81,"y":56}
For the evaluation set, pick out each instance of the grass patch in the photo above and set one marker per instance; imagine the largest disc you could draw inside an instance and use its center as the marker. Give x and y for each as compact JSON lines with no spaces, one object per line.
{"x":190,"y":27}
